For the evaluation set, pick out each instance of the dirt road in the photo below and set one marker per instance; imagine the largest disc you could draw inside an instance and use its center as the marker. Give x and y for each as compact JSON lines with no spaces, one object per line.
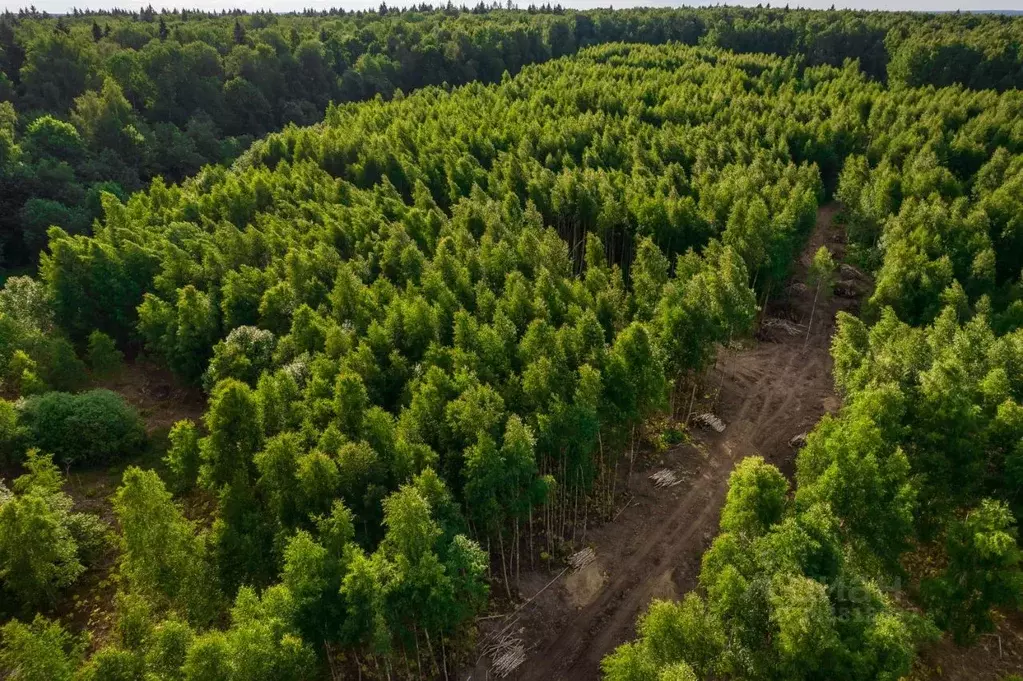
{"x":766,"y":393}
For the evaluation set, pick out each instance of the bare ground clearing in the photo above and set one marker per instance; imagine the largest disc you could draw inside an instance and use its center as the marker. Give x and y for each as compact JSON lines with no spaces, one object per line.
{"x":161,"y":401}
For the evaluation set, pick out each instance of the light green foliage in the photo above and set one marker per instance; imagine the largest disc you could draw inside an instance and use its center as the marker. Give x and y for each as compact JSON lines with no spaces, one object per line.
{"x":365,"y":603}
{"x":168,"y":648}
{"x":263,"y":641}
{"x":502,"y":483}
{"x":411,"y":532}
{"x":48,"y":136}
{"x":209,"y":658}
{"x":10,"y":437}
{"x":183,"y":456}
{"x":112,"y":664}
{"x":679,"y":671}
{"x":162,"y":556}
{"x":801,"y":610}
{"x":466,"y":564}
{"x":277,"y":464}
{"x":849,"y":346}
{"x":95,"y":287}
{"x":792,"y":606}
{"x":134,"y":620}
{"x":318,"y":483}
{"x":107,"y":122}
{"x":935,"y":392}
{"x":649,"y":275}
{"x":61,"y":368}
{"x":40,"y":537}
{"x":40,"y":651}
{"x":422,"y":590}
{"x":629,"y":662}
{"x":756,"y":499}
{"x":849,"y":464}
{"x":914,"y":274}
{"x":184,"y":333}
{"x":336,"y":529}
{"x":477,"y":411}
{"x":929,"y":424}
{"x":279,"y":401}
{"x":983,"y":571}
{"x":242,"y":537}
{"x":33,"y":356}
{"x":163,"y":96}
{"x":783,"y":598}
{"x":104,"y":357}
{"x":707,"y":303}
{"x":313,"y":575}
{"x":23,"y":299}
{"x":234,"y":435}
{"x":748,"y":231}
{"x":821,"y":276}
{"x":23,"y":375}
{"x":634,"y":380}
{"x":360,"y":476}
{"x":683,"y":633}
{"x":351,"y":402}
{"x":9,"y":150}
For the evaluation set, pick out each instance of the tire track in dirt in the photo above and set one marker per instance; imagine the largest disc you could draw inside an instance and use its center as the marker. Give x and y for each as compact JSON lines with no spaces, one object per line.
{"x":766,"y":395}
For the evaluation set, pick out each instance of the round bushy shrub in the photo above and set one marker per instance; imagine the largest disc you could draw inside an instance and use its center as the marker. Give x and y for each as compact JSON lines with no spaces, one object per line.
{"x":94,"y":427}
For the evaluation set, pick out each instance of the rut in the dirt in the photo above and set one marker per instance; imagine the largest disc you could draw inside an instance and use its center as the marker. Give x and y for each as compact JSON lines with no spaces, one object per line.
{"x":766,"y":395}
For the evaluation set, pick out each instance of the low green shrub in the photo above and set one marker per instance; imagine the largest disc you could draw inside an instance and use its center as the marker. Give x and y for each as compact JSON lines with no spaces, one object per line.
{"x":104,"y":357}
{"x":95,"y":427}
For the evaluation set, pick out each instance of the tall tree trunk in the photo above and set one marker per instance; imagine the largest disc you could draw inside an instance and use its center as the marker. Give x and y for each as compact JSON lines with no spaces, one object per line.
{"x":547,"y":523}
{"x":632,"y":456}
{"x":692,"y":399}
{"x":518,"y":556}
{"x":429,"y":646}
{"x":812,"y":311}
{"x":575,"y":511}
{"x":504,"y":570}
{"x":586,"y":517}
{"x":614,"y":484}
{"x":763,"y":306}
{"x":532,"y":554}
{"x":419,"y":657}
{"x":564,"y":496}
{"x":408,"y":665}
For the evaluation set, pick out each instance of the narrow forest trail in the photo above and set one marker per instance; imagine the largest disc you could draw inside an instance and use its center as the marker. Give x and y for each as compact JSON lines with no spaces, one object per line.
{"x":766,"y":393}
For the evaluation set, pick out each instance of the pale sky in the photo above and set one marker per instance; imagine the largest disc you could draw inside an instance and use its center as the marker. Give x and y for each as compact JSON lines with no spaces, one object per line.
{"x":288,"y":6}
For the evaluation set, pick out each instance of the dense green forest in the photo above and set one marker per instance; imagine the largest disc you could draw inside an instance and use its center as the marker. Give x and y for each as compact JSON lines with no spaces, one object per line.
{"x":107,"y":102}
{"x":434,"y":325}
{"x":926,"y":454}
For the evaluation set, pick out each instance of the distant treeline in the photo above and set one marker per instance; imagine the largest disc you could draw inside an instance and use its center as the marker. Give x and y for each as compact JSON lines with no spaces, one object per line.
{"x":93,"y":102}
